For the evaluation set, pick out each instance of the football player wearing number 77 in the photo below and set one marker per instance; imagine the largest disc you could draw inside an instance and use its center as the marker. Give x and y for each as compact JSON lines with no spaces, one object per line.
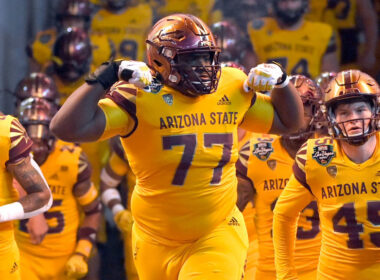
{"x":179,"y":131}
{"x":341,"y":173}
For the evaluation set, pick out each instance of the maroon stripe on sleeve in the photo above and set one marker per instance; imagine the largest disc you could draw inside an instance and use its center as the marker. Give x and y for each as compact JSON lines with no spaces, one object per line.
{"x":127,"y":105}
{"x":301,"y":177}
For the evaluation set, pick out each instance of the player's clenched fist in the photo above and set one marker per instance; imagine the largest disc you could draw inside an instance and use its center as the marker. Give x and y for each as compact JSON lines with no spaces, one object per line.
{"x":135,"y":72}
{"x":124,"y":221}
{"x":265,"y":77}
{"x":76,"y":267}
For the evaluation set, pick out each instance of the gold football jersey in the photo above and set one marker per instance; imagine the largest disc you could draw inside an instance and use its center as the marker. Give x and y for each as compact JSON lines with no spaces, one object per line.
{"x":183,"y":150}
{"x":127,"y":30}
{"x":63,"y":169}
{"x":265,"y":162}
{"x":14,"y":146}
{"x":348,"y":196}
{"x":120,"y":166}
{"x":41,"y":48}
{"x":198,"y":8}
{"x":342,"y":15}
{"x":298,"y":51}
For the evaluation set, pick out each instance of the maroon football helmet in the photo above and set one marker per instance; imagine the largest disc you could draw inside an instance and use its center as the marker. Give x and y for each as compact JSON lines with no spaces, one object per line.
{"x":311,"y":95}
{"x":35,"y":115}
{"x":72,"y":54}
{"x":37,"y":85}
{"x":171,"y":41}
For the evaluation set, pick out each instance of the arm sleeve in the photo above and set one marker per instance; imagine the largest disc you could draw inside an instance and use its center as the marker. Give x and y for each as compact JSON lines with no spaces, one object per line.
{"x":119,"y":108}
{"x":293,"y":199}
{"x":260,"y":115}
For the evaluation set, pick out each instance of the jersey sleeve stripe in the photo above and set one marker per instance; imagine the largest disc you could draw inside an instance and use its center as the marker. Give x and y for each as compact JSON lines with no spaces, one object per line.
{"x":127,"y":105}
{"x":301,"y":177}
{"x":84,"y":169}
{"x":20,"y":143}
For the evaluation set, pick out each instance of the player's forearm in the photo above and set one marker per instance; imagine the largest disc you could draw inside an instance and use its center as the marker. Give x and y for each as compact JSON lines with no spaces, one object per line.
{"x":38,"y":198}
{"x":288,"y":106}
{"x":79,"y":118}
{"x":284,"y":235}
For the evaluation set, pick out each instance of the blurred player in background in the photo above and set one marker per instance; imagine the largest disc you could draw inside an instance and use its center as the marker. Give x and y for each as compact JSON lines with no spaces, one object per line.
{"x":70,"y":13}
{"x":112,"y":175}
{"x":17,"y":163}
{"x":300,"y":46}
{"x":38,"y":85}
{"x":56,"y":245}
{"x":341,"y":173}
{"x":202,"y":9}
{"x":126,"y":23}
{"x":263,"y":169}
{"x":351,"y":19}
{"x":183,"y":204}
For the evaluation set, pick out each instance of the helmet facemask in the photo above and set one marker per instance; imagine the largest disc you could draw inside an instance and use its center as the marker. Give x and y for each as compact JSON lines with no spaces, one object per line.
{"x":339,"y":129}
{"x":175,"y":45}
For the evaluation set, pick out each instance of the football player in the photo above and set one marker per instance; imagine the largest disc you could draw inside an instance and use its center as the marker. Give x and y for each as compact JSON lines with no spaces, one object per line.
{"x":116,"y":169}
{"x":71,"y":13}
{"x":17,"y":163}
{"x":56,"y":245}
{"x":202,"y":9}
{"x":180,"y":135}
{"x":300,"y":46}
{"x":350,"y":18}
{"x":126,"y":24}
{"x":341,"y":173}
{"x":264,"y":166}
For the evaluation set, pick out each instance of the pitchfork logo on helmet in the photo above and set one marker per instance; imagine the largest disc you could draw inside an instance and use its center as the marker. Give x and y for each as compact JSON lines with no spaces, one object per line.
{"x":172,"y":42}
{"x":37,"y":85}
{"x":348,"y":87}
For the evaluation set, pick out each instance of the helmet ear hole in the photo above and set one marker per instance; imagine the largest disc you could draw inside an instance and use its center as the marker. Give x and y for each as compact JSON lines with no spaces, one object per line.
{"x":159,"y":64}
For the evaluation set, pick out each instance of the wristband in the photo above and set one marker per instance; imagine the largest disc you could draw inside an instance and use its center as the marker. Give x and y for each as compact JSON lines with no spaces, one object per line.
{"x":284,"y":82}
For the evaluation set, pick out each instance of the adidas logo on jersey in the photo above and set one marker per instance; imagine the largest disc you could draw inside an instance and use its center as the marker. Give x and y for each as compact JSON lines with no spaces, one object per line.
{"x":233,"y":222}
{"x":224,"y":101}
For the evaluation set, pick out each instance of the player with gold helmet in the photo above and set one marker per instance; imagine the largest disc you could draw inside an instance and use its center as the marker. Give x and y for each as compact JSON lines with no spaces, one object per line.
{"x":341,"y":173}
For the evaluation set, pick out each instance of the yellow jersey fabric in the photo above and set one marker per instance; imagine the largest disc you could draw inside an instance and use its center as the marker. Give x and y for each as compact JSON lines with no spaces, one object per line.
{"x":41,"y":48}
{"x":15,"y":145}
{"x":190,"y":148}
{"x":199,"y":8}
{"x":63,"y":169}
{"x":265,"y":162}
{"x":349,"y":203}
{"x":298,"y":51}
{"x":342,"y":15}
{"x":127,"y":30}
